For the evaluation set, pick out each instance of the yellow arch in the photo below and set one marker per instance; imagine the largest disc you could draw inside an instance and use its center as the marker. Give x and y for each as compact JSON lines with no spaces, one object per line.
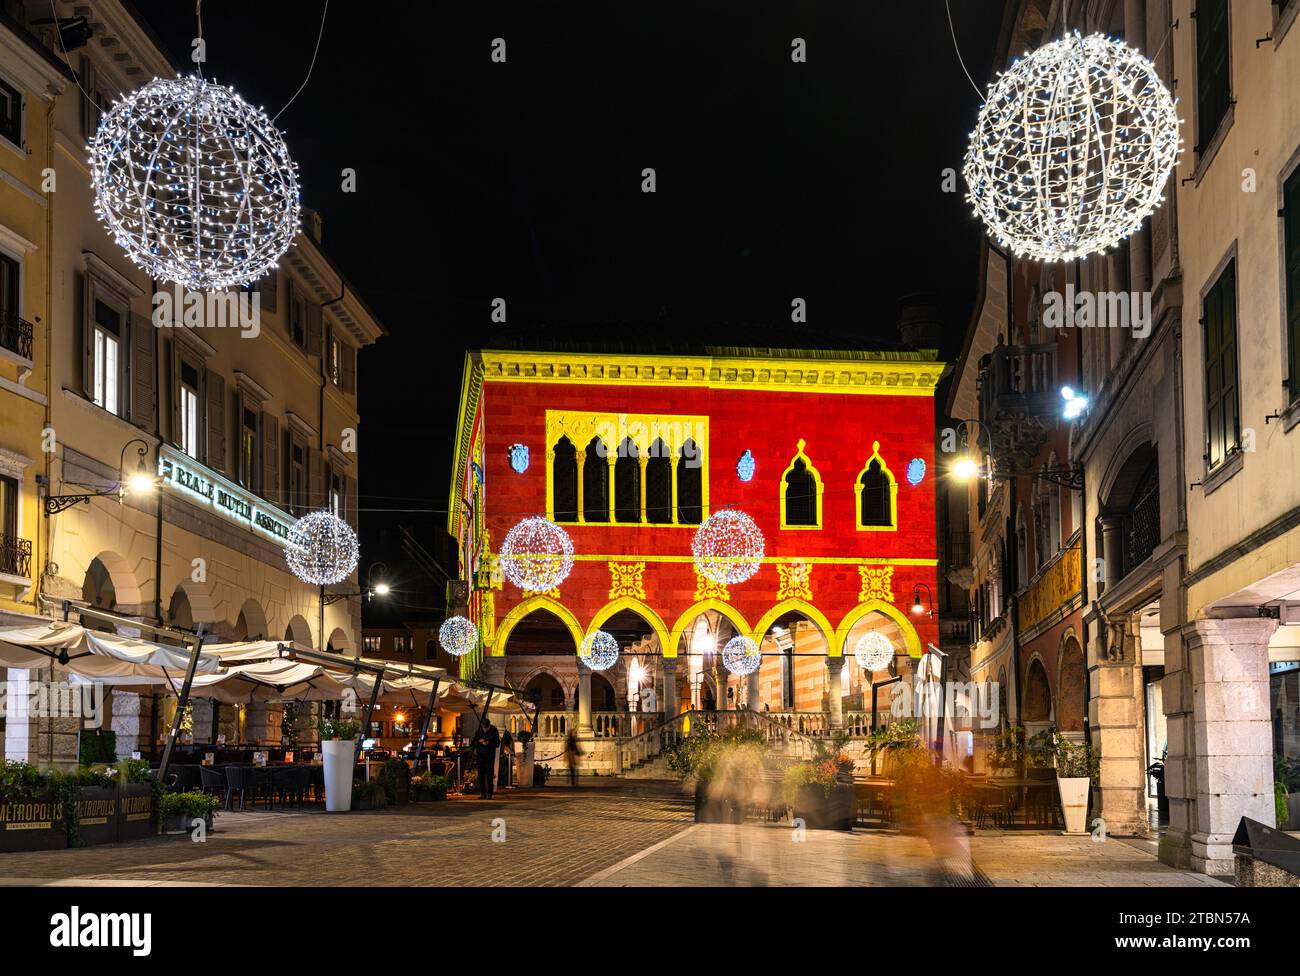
{"x":834,"y":649}
{"x":694,"y":611}
{"x":524,"y":609}
{"x":636,"y":606}
{"x":911,"y":638}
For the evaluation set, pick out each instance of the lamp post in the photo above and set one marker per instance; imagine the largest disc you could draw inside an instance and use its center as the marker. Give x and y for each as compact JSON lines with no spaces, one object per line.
{"x":142,"y":481}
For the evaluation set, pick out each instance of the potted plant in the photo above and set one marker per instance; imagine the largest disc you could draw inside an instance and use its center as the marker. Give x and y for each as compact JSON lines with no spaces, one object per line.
{"x":817,"y":796}
{"x":180,"y":810}
{"x":429,"y":786}
{"x":31,"y":817}
{"x":369,"y":795}
{"x":395,"y":776}
{"x":88,"y":799}
{"x":1076,"y":768}
{"x":139,"y":795}
{"x":1006,"y":752}
{"x":338,"y":747}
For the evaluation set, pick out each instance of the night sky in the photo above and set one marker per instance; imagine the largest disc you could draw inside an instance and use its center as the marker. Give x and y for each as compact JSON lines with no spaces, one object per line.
{"x":522,"y":180}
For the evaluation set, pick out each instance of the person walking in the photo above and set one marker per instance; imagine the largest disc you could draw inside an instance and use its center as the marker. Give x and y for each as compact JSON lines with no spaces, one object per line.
{"x":486,"y":743}
{"x":571,"y":754}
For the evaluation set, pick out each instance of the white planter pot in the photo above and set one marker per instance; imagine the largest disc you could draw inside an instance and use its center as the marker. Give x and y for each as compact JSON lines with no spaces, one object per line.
{"x":1074,"y":801}
{"x":524,"y":764}
{"x":340,"y":758}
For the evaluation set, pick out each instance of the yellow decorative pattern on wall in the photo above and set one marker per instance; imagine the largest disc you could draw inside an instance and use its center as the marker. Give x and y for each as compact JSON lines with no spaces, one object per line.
{"x":626,"y":579}
{"x":877,"y":583}
{"x":707,"y":589}
{"x":796,"y":581}
{"x":1053,"y":588}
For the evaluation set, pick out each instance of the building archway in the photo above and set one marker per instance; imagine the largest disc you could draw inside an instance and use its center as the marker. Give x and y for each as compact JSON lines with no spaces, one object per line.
{"x":551,"y":693}
{"x":687,"y":620}
{"x":299,"y":631}
{"x":629,"y":604}
{"x":603,"y":696}
{"x":1037,"y":708}
{"x":339,"y":641}
{"x":110,"y":583}
{"x":1071,"y":686}
{"x":251,"y":623}
{"x":191,"y":606}
{"x":552,"y":609}
{"x":796,"y":640}
{"x":911,"y":639}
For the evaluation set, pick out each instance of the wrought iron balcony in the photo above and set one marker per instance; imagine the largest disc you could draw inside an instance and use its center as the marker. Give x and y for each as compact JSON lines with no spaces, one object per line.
{"x":1019,"y":399}
{"x":16,"y":333}
{"x":15,"y":556}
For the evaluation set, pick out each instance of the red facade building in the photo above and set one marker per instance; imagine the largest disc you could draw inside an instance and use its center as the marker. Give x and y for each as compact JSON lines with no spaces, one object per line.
{"x":832,"y":454}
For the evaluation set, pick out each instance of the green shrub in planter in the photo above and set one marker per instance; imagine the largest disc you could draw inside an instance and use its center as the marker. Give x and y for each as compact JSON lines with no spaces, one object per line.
{"x":429,"y":786}
{"x":97,"y":746}
{"x":369,"y":795}
{"x":395,"y":776}
{"x":179,"y":810}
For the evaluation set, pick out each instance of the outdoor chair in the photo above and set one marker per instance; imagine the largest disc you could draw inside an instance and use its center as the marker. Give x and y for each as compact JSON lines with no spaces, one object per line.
{"x":214,"y":781}
{"x":234,"y":784}
{"x":257,"y":780}
{"x":990,"y":806}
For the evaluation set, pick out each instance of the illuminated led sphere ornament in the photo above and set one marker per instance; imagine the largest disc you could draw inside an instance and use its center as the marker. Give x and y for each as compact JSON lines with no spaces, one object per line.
{"x":1072,"y":149}
{"x":728,"y":547}
{"x":458,"y":636}
{"x":741,"y":655}
{"x":195,"y":184}
{"x":874,"y":651}
{"x":321,"y":549}
{"x":536,"y":555}
{"x":599,"y":650}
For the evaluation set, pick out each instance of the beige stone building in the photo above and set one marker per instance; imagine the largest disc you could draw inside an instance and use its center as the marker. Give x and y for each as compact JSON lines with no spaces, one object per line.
{"x":246,"y":425}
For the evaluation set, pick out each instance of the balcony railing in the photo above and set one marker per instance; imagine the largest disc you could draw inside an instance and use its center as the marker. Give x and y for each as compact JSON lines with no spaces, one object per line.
{"x":1019,"y":399}
{"x":15,"y":556}
{"x":15,"y":334}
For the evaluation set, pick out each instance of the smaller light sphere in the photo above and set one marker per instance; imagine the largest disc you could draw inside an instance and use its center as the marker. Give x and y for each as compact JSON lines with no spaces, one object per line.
{"x":741,"y":655}
{"x":537,"y":555}
{"x":599,"y":650}
{"x":728,"y":547}
{"x":874,"y":651}
{"x":458,"y":636}
{"x":321,"y":549}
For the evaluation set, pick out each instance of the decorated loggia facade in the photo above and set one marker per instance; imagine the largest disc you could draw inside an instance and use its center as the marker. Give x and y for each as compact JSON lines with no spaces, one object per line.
{"x":830,"y":453}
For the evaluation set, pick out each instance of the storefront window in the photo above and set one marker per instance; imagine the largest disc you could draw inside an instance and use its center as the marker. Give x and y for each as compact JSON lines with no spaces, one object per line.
{"x":1284,"y":705}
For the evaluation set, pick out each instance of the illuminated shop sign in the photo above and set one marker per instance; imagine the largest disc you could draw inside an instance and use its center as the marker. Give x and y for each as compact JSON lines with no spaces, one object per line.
{"x":207,"y":489}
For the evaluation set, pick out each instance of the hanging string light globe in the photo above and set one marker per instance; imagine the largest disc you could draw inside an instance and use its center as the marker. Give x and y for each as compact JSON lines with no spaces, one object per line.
{"x":458,"y":636}
{"x":1072,"y":149}
{"x":873,"y":651}
{"x":194,"y":184}
{"x":536,"y":555}
{"x":599,"y":650}
{"x":728,"y":547}
{"x":321,"y":549}
{"x":741,"y":655}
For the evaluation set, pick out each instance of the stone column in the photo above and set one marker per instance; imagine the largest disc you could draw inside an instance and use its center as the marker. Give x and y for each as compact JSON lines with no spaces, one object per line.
{"x":1220,"y":762}
{"x":752,"y":694}
{"x":834,"y":695}
{"x":1112,"y":540}
{"x":1115,"y":717}
{"x":584,"y":698}
{"x":669,"y":707}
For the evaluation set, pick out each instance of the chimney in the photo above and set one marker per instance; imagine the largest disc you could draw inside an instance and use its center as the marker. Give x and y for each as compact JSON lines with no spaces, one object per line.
{"x":919,"y":322}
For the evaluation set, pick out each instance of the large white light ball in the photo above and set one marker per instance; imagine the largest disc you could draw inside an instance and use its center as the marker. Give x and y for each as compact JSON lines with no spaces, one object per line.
{"x":536,"y":555}
{"x":321,"y":549}
{"x":1073,"y":148}
{"x":873,"y":651}
{"x":741,"y":655}
{"x":728,"y":547}
{"x":458,"y":636}
{"x":599,"y":650}
{"x":195,"y":184}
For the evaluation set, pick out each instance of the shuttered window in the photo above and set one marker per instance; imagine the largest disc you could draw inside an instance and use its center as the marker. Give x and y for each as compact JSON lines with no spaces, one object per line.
{"x":1222,"y":407}
{"x":1291,"y":274}
{"x":1213,"y":78}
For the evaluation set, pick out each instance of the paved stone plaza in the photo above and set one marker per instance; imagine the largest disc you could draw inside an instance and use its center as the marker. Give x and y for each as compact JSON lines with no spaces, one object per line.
{"x":627,"y":835}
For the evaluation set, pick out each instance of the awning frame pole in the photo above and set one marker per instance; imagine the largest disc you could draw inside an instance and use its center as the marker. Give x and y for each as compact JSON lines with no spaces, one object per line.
{"x":428,"y":716}
{"x":370,"y":709}
{"x":182,"y":702}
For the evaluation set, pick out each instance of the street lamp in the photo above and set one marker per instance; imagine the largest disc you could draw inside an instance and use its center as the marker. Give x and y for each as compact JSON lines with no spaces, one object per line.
{"x":917,"y":607}
{"x":966,"y":468}
{"x":381,"y":588}
{"x":142,"y":481}
{"x":1075,"y":403}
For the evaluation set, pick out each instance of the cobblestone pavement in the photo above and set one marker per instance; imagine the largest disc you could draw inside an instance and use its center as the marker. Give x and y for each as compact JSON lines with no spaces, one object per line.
{"x":630,"y":835}
{"x":718,"y":854}
{"x":552,"y":837}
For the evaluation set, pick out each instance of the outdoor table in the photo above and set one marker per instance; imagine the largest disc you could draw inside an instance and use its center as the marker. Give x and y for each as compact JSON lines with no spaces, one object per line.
{"x":1022,"y":785}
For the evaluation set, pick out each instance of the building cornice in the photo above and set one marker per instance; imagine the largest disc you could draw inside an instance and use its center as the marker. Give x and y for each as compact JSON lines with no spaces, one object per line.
{"x":29,"y":64}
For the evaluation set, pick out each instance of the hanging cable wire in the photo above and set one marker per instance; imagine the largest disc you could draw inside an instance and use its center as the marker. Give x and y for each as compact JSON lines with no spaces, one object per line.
{"x":319,"y":35}
{"x":953,"y":31}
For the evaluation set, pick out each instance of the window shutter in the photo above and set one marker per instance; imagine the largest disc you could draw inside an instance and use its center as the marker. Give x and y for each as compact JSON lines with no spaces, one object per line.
{"x":348,"y":367}
{"x":1291,"y":270}
{"x":216,"y":421}
{"x":315,"y":473}
{"x":144,"y":391}
{"x":89,"y":110}
{"x":87,"y":340}
{"x":350,"y":501}
{"x":315,"y":332}
{"x":290,"y":308}
{"x":174,"y":390}
{"x":270,"y":459}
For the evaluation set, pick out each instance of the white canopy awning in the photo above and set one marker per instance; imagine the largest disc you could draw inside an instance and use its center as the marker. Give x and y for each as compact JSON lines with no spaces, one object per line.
{"x":93,"y":654}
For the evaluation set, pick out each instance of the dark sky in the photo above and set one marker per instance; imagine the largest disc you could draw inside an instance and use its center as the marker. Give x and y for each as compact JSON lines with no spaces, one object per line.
{"x":522,"y":180}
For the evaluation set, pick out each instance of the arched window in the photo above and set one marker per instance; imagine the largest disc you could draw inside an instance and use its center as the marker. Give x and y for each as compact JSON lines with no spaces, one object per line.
{"x":627,"y":483}
{"x":564,"y":482}
{"x":801,"y":494}
{"x":659,"y":484}
{"x":595,"y":482}
{"x":690,"y":484}
{"x":877,"y":494}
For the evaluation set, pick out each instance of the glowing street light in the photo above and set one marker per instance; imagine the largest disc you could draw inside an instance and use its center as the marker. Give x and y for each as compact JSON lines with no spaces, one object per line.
{"x":966,"y":468}
{"x":381,"y":589}
{"x":1075,"y":403}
